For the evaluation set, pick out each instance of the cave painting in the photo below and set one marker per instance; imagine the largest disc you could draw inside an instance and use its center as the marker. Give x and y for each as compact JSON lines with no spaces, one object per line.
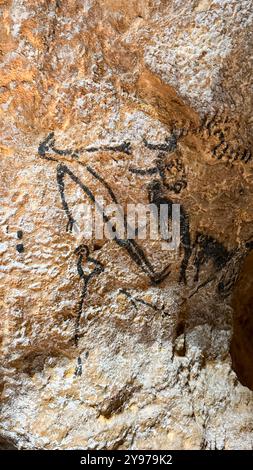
{"x":166,"y":175}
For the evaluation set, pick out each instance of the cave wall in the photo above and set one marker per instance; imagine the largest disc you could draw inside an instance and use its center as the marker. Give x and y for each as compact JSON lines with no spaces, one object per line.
{"x":138,"y":101}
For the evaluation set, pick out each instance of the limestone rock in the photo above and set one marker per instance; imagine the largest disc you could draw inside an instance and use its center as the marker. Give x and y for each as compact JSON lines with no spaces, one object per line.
{"x":137,"y":102}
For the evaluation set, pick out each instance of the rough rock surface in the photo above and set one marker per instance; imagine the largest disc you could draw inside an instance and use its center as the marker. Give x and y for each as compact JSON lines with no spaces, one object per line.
{"x":154,"y":365}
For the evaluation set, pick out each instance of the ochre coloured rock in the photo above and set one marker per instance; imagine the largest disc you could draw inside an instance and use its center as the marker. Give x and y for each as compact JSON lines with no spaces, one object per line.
{"x":108,"y":345}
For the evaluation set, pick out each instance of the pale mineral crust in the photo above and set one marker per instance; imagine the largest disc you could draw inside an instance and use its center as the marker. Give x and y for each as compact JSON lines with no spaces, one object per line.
{"x":94,"y":94}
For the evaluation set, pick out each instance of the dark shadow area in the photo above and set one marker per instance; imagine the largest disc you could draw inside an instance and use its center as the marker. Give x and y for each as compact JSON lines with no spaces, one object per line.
{"x":5,"y":444}
{"x":242,"y":340}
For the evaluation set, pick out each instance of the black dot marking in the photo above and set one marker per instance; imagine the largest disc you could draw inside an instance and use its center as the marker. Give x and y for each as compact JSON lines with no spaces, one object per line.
{"x":19,"y":234}
{"x":20,"y":248}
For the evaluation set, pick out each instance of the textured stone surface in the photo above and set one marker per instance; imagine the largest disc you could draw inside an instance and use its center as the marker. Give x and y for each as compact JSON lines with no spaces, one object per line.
{"x":157,"y":371}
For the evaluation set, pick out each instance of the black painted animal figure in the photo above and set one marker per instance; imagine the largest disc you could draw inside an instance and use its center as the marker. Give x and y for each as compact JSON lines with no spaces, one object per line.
{"x":207,"y":247}
{"x":47,"y":150}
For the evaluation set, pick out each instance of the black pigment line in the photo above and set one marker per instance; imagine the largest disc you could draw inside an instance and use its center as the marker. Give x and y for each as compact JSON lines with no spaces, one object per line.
{"x":82,"y":252}
{"x":134,"y":300}
{"x":148,"y":171}
{"x":246,"y":157}
{"x":186,"y":243}
{"x":83,"y":255}
{"x":129,"y":297}
{"x":203,"y":284}
{"x":170,"y":144}
{"x":160,"y":169}
{"x":49,"y":144}
{"x":63,"y":170}
{"x":45,"y":146}
{"x":104,"y":183}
